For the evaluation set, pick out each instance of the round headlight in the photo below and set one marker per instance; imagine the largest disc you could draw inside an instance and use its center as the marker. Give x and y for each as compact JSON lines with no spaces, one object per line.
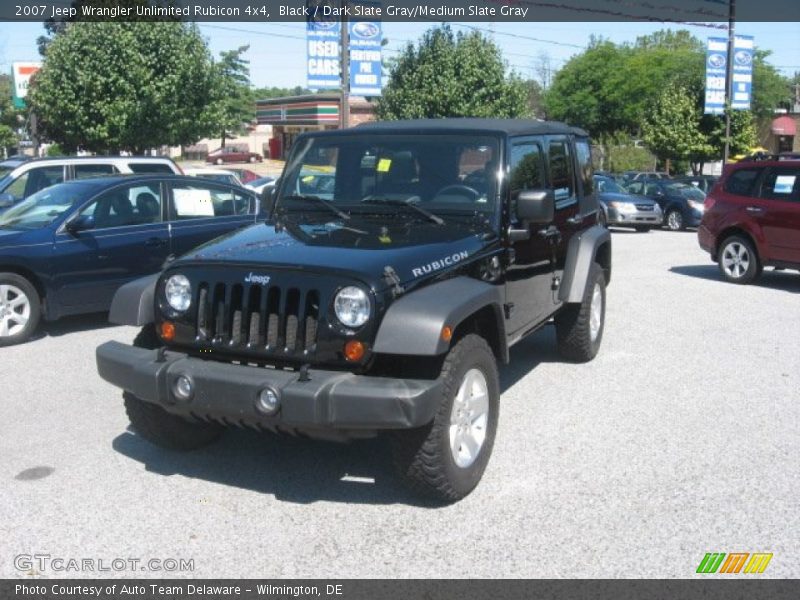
{"x":179,"y":292}
{"x":352,"y":306}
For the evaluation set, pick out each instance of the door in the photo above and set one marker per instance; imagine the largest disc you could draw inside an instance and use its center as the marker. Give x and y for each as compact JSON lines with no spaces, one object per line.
{"x":777,"y":212}
{"x":201,"y":211}
{"x":130,"y":239}
{"x":529,"y":275}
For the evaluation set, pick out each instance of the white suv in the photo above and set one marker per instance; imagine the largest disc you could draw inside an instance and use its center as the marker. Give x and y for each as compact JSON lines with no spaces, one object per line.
{"x":21,"y":178}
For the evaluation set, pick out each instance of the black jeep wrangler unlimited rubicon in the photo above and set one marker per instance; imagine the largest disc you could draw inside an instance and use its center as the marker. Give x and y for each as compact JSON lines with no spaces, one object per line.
{"x":398,"y":265}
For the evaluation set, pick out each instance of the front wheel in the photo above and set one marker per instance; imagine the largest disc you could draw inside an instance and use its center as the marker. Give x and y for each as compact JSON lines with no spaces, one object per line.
{"x":166,"y":430}
{"x":219,"y":161}
{"x":675,"y":220}
{"x":579,"y":327}
{"x":253,"y":159}
{"x":738,"y":260}
{"x":20,"y":309}
{"x":445,"y":459}
{"x":642,"y":228}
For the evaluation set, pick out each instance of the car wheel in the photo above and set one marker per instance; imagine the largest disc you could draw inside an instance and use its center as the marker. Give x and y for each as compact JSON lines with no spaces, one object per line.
{"x":20,"y":309}
{"x":158,"y":426}
{"x":738,"y":261}
{"x":253,"y":159}
{"x":446,"y":459}
{"x":601,"y":218}
{"x":219,"y":161}
{"x":642,"y":228}
{"x":579,"y":327}
{"x":675,"y":220}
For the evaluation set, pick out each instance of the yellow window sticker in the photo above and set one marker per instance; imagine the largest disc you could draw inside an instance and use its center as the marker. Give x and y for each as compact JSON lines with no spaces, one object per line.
{"x":384,"y":165}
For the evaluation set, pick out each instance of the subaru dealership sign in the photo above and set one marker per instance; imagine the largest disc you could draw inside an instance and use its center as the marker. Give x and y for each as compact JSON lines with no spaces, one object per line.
{"x":365,"y":58}
{"x":716,"y":69}
{"x":322,"y":54}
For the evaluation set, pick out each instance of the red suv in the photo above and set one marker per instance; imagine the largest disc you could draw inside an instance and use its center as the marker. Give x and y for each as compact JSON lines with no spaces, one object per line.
{"x":752,"y":219}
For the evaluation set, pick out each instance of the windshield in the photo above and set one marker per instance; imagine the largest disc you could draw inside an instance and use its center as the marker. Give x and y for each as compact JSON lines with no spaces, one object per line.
{"x":607,"y":186}
{"x":371,"y":172}
{"x":687,"y":191}
{"x":44,"y":207}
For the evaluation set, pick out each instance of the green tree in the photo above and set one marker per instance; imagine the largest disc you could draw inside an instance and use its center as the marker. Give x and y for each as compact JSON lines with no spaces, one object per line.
{"x":671,"y":129}
{"x":266,"y":93}
{"x":449,"y":75}
{"x":234,"y":106}
{"x":110,"y":86}
{"x":10,"y":117}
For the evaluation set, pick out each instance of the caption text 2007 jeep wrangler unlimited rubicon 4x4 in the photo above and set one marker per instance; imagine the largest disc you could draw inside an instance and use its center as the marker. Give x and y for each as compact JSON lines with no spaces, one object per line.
{"x":398,"y":265}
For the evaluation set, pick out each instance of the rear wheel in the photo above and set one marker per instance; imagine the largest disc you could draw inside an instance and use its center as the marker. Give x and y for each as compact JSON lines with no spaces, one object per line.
{"x":446,"y":459}
{"x":20,"y":309}
{"x":738,"y":261}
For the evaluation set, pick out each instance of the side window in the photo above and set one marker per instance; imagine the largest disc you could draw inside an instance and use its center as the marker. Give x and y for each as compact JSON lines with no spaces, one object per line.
{"x":200,"y":201}
{"x":637,"y":187}
{"x":584,"y":154}
{"x":651,"y":190}
{"x":562,"y":177}
{"x":85,"y":171}
{"x":527,"y":172}
{"x":742,"y":182}
{"x":127,"y":205}
{"x":159,"y":168}
{"x":34,"y":180}
{"x":781,"y":184}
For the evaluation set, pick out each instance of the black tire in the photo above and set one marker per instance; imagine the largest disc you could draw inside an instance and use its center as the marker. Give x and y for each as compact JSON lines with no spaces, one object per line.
{"x":166,"y":430}
{"x":253,"y":159}
{"x":674,"y":220}
{"x":748,"y":266}
{"x":573,"y":322}
{"x":219,"y":161}
{"x":16,"y":288}
{"x":158,"y":426}
{"x":423,"y":456}
{"x":643,"y":228}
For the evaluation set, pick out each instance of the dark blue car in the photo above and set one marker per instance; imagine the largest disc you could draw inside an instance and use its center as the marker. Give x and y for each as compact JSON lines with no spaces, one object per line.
{"x":67,"y":249}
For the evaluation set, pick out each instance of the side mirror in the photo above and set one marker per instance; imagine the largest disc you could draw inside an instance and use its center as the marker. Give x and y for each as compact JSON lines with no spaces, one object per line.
{"x":6,"y":200}
{"x":536,"y":206}
{"x":82,"y":223}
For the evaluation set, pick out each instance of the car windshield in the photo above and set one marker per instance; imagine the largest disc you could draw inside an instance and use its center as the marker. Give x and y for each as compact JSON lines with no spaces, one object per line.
{"x":369,"y":172}
{"x":44,"y":207}
{"x":689,"y":192}
{"x":609,"y":186}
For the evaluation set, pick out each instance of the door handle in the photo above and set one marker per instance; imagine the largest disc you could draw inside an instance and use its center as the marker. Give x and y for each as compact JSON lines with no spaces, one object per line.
{"x":755,"y":210}
{"x":155,"y":243}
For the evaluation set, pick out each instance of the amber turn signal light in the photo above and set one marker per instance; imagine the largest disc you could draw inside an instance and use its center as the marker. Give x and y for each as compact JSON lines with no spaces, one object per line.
{"x":447,"y":333}
{"x":167,"y":331}
{"x":354,"y":350}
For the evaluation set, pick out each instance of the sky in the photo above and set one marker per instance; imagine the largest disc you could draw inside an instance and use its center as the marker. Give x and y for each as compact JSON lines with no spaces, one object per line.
{"x":277,"y":50}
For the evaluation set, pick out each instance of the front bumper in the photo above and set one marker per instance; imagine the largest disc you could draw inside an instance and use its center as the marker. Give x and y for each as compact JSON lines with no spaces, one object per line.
{"x":227,"y":393}
{"x":651,"y":218}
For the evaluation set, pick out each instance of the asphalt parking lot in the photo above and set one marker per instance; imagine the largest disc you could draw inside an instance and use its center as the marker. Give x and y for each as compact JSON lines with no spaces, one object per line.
{"x":681,"y":438}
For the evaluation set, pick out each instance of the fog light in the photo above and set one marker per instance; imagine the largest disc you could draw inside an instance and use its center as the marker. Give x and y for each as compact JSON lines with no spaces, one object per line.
{"x":268,"y":401}
{"x":183,"y":388}
{"x":354,"y":350}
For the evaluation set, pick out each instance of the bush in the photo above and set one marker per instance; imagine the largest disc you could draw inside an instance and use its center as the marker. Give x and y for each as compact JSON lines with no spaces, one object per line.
{"x":55,"y":150}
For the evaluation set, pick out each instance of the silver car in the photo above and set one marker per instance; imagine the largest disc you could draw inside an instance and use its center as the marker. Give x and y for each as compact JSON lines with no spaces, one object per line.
{"x":623,"y":209}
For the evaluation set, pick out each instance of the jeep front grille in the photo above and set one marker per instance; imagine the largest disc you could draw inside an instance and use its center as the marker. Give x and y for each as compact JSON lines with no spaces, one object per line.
{"x":267,"y":319}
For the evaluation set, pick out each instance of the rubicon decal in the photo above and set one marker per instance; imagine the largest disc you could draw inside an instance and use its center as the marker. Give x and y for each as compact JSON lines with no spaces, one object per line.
{"x":714,"y":562}
{"x":436,"y":265}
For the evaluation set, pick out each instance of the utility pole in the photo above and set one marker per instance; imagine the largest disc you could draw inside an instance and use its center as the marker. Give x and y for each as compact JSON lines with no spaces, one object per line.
{"x":729,"y":77}
{"x":345,"y":43}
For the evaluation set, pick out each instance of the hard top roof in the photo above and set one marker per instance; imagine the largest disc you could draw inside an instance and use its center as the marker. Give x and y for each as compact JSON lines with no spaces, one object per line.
{"x":510,"y":127}
{"x":109,"y":181}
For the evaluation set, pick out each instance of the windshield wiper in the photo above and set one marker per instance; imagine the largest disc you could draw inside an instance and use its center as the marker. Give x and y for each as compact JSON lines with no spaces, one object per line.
{"x":391,"y":202}
{"x":322,"y":201}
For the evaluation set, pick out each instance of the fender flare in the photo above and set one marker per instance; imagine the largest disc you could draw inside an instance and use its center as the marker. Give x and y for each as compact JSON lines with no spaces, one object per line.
{"x":134,"y":302}
{"x":581,"y":253}
{"x":413,"y":324}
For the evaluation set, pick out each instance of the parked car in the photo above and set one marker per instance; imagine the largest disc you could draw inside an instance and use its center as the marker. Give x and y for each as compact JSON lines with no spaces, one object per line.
{"x":620,"y":208}
{"x":27,"y":176}
{"x":261,"y":184}
{"x":231,"y":154}
{"x":704,"y":183}
{"x":384,"y":308}
{"x":222,"y":175}
{"x":244,"y":175}
{"x":752,"y":219}
{"x":645,"y":175}
{"x":66,"y":249}
{"x":682,"y":204}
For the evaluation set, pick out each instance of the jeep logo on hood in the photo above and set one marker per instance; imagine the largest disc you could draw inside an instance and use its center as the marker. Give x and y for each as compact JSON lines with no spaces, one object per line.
{"x":258,"y":279}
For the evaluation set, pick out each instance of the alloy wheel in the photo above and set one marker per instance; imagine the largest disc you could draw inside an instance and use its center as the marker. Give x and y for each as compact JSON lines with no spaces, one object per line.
{"x":469,"y":418}
{"x":735,"y":260}
{"x":15,"y":310}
